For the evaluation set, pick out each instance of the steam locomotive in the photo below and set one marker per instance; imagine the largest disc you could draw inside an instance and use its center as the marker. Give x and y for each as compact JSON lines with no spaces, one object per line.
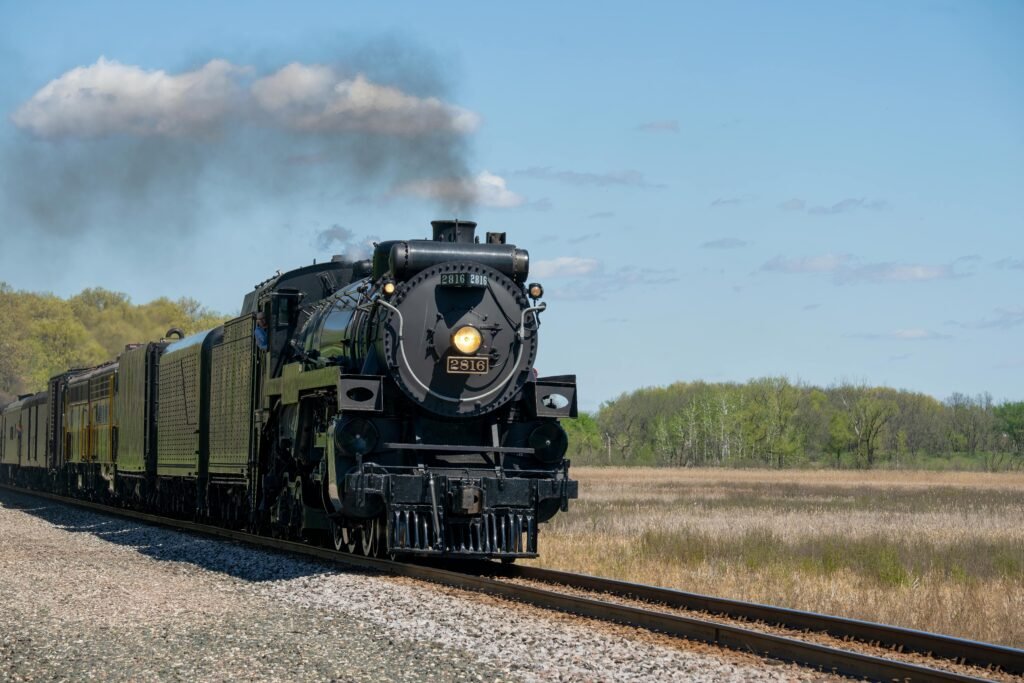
{"x":389,"y":407}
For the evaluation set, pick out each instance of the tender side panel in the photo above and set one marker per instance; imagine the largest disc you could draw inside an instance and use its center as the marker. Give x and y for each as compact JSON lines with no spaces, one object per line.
{"x":76,"y":423}
{"x":54,"y":416}
{"x":10,"y":437}
{"x":102,"y":418}
{"x":178,"y":426}
{"x":28,"y":430}
{"x":130,"y":407}
{"x":231,"y":391}
{"x":38,"y":412}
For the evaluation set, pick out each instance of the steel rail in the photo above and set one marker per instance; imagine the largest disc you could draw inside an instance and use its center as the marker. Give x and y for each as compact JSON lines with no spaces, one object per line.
{"x":737,"y":638}
{"x":961,"y":650}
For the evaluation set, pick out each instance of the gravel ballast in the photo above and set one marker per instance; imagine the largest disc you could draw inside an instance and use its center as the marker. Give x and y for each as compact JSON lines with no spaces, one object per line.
{"x":89,"y":596}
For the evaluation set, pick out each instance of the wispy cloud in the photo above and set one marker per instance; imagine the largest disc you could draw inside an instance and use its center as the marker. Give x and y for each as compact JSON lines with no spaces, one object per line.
{"x":588,"y":279}
{"x":895,"y":272}
{"x":542,"y":204}
{"x":848,"y":205}
{"x":486,"y":189}
{"x":724,"y":243}
{"x":810,"y":307}
{"x":565,"y":266}
{"x":911,"y":334}
{"x":825,"y":263}
{"x":727,"y":201}
{"x":601,"y":215}
{"x":1010,"y":264}
{"x":583,"y":238}
{"x":845,"y":269}
{"x":600,"y":283}
{"x":627,"y":178}
{"x":1001,"y":319}
{"x":662,"y":126}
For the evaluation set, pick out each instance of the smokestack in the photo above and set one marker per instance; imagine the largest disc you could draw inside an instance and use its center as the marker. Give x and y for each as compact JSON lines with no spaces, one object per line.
{"x":453,"y":231}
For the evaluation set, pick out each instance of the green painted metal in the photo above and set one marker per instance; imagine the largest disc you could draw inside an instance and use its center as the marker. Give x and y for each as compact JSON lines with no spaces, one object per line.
{"x":178,"y":430}
{"x":231,"y":399}
{"x":130,"y":405}
{"x":294,"y":380}
{"x":11,"y":420}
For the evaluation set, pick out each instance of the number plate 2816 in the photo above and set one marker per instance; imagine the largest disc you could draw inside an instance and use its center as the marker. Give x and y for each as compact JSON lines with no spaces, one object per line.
{"x":461,"y":365}
{"x":463,"y":280}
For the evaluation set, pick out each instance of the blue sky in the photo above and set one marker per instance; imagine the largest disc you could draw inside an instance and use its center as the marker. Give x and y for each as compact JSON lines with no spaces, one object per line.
{"x":827,"y":191}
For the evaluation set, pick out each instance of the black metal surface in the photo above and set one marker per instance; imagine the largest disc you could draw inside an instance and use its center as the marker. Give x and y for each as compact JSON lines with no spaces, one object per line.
{"x":448,"y":448}
{"x":734,"y":637}
{"x":408,"y":258}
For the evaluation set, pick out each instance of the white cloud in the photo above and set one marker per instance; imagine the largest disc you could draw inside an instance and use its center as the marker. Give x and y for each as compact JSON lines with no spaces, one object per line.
{"x":825,"y":263}
{"x":662,"y":126}
{"x":485,"y":189}
{"x":896,"y":272}
{"x":724,"y":243}
{"x":846,"y":271}
{"x":910,"y":334}
{"x":565,"y":266}
{"x":110,"y":98}
{"x":315,"y":98}
{"x":1003,"y":319}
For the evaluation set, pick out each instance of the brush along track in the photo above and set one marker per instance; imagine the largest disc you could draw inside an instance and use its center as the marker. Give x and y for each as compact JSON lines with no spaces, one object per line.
{"x":967,"y":657}
{"x":490,"y":578}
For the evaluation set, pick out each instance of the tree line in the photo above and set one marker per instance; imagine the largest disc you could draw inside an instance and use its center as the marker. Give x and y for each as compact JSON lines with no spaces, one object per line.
{"x":43,"y":334}
{"x":777,"y":423}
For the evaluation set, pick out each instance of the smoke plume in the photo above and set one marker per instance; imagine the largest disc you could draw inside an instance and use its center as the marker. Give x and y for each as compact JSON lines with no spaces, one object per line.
{"x":112,"y":146}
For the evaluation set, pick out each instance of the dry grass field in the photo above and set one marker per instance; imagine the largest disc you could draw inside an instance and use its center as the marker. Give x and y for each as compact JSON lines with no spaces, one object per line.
{"x":939,"y":551}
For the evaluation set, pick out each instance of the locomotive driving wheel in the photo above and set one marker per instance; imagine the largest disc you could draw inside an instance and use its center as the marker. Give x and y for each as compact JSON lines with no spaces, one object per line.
{"x":345,"y":538}
{"x":373,"y":541}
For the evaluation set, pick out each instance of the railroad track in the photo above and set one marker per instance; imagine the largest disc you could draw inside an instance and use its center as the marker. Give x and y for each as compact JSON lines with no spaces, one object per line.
{"x":672,"y":612}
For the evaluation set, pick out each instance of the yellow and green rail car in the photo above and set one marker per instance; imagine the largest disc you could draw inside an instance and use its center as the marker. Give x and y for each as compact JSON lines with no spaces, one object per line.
{"x":23,"y":453}
{"x":90,"y":429}
{"x":135,"y":406}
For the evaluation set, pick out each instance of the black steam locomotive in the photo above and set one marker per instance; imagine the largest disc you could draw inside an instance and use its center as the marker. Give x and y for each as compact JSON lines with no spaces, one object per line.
{"x":387,"y":406}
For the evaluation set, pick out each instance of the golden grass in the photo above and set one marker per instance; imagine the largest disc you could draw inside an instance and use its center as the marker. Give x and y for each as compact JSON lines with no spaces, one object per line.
{"x":939,"y":551}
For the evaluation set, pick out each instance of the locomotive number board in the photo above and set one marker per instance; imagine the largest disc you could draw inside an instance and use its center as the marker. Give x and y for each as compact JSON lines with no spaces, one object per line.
{"x":462,"y":365}
{"x":463,"y":280}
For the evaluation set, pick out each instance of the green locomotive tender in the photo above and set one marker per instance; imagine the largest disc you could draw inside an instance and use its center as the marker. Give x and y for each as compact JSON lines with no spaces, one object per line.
{"x":389,"y":407}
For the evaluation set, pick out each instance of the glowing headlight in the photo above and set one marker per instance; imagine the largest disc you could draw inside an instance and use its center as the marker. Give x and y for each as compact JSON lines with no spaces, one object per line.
{"x":389,"y":288}
{"x":467,"y":339}
{"x":535,"y":290}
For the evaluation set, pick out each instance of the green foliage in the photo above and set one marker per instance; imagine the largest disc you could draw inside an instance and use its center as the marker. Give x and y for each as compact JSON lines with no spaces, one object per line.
{"x":772,"y":422}
{"x":1010,"y":424}
{"x":43,"y":335}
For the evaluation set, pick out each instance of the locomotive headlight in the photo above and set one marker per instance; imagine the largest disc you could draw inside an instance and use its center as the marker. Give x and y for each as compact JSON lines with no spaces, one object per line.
{"x":389,"y":288}
{"x":467,"y":339}
{"x":535,"y":290}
